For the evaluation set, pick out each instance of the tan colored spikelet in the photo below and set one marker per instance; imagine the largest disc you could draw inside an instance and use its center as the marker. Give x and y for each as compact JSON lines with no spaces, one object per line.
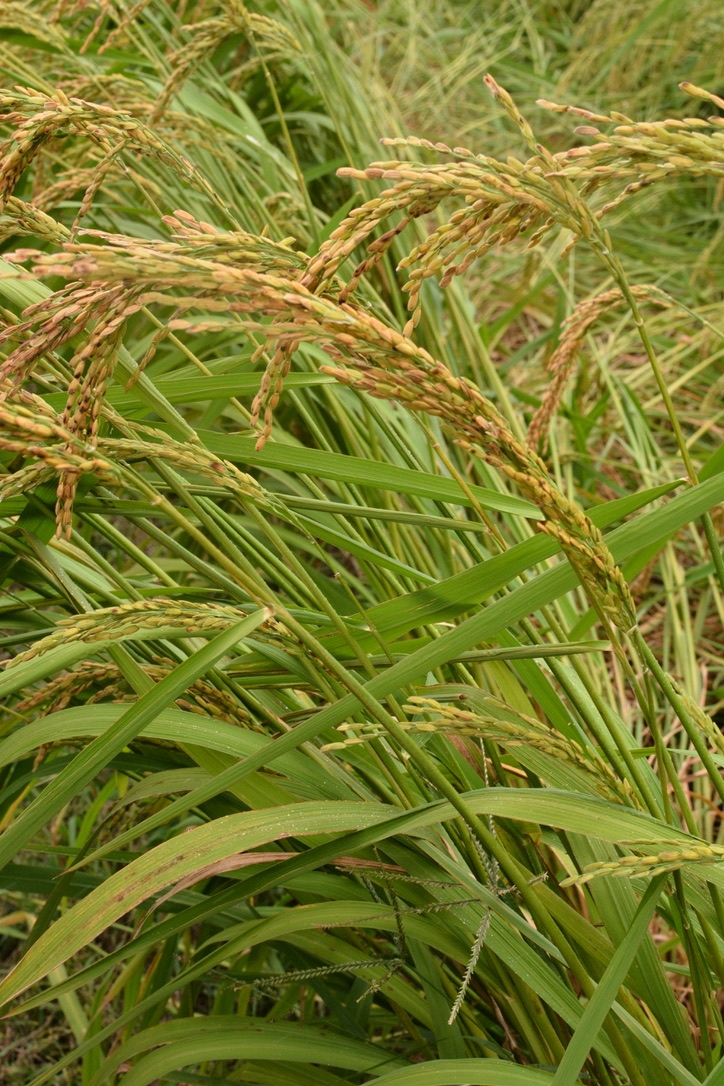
{"x":190,"y":458}
{"x":123,"y":19}
{"x":54,"y":461}
{"x":672,"y":859}
{"x":108,"y":88}
{"x":701,"y":718}
{"x":59,"y":450}
{"x":24,"y":430}
{"x":93,"y":367}
{"x":513,"y":728}
{"x":638,"y":154}
{"x":116,"y":623}
{"x":199,"y":257}
{"x":269,"y":37}
{"x":67,"y":313}
{"x":97,"y":180}
{"x":27,"y":19}
{"x":19,"y":217}
{"x":562,"y":360}
{"x":39,"y":118}
{"x":77,"y":426}
{"x":201,"y":698}
{"x":508,"y":727}
{"x":477,"y":427}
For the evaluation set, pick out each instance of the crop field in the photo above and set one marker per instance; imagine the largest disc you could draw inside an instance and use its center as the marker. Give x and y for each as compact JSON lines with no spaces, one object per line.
{"x":361,"y":520}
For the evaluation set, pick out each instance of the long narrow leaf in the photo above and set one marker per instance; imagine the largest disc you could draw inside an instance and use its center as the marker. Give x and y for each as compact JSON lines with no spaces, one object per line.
{"x":97,"y":754}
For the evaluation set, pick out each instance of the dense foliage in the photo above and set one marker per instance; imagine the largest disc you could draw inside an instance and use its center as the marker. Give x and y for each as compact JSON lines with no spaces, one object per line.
{"x":359,"y":530}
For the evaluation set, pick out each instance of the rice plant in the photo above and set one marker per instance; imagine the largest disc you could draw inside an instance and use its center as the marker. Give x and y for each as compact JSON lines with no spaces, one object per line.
{"x":360,"y":520}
